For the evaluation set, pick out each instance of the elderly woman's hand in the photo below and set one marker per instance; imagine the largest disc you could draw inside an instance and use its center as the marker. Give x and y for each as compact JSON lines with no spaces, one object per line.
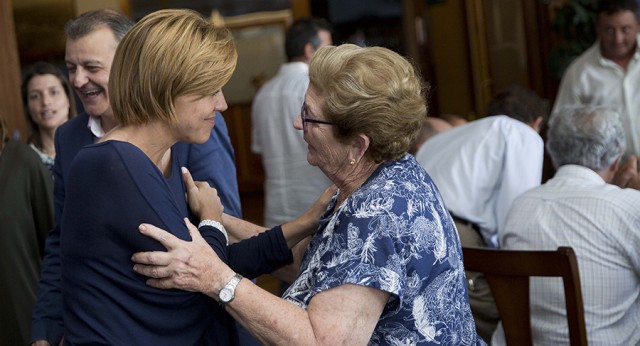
{"x":191,"y":266}
{"x":307,"y":223}
{"x":203,"y":199}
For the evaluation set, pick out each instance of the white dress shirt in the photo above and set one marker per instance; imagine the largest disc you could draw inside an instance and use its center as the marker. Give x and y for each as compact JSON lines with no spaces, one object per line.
{"x":594,"y":80}
{"x":291,"y":185}
{"x":482,"y":166}
{"x":601,"y":222}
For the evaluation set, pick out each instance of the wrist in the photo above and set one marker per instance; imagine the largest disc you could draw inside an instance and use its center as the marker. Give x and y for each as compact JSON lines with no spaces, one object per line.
{"x":308,"y":224}
{"x":217,"y":225}
{"x":227,"y":293}
{"x":210,"y":215}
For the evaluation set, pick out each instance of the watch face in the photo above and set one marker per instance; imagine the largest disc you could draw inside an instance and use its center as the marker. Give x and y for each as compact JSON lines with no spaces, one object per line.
{"x":226,"y":295}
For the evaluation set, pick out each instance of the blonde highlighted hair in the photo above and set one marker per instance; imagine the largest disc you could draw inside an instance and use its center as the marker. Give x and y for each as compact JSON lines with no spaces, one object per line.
{"x":169,"y":53}
{"x":373,"y":91}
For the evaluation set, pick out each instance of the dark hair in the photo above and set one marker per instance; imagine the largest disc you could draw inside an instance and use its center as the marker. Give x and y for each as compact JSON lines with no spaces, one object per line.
{"x":41,"y":69}
{"x":87,"y":22}
{"x":301,"y":32}
{"x":610,"y":7}
{"x":518,"y":103}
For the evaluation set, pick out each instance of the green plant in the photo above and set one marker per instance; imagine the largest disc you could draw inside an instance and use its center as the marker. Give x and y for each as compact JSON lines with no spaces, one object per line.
{"x":574,"y":26}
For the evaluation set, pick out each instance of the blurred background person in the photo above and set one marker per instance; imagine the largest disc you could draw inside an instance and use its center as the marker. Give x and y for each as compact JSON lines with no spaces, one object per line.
{"x":454,"y":119}
{"x":26,"y":215}
{"x":480,"y":168}
{"x":291,"y":184}
{"x":430,"y":127}
{"x":608,"y":73}
{"x":580,"y":207}
{"x":48,"y":101}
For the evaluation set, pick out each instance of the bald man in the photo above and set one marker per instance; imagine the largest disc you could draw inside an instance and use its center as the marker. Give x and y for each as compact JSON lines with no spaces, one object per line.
{"x":430,"y":127}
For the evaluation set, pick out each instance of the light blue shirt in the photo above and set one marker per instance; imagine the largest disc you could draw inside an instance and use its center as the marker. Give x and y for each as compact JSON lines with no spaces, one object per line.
{"x":482,"y":166}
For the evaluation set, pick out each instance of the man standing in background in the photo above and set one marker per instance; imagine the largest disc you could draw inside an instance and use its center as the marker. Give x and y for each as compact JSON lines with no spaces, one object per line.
{"x":608,"y":73}
{"x":292,"y":185}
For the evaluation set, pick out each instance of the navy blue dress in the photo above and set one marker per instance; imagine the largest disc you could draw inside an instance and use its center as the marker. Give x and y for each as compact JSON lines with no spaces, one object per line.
{"x":212,"y":162}
{"x":112,"y":187}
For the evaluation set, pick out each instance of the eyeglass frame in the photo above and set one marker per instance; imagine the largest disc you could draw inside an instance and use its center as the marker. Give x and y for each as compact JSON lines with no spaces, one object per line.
{"x":305,"y":119}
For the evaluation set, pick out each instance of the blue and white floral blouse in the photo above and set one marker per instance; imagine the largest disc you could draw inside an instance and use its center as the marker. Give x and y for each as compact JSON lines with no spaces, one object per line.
{"x":394,"y":234}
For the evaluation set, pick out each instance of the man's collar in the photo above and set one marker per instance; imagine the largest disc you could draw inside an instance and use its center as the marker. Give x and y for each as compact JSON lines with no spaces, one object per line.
{"x":95,"y":127}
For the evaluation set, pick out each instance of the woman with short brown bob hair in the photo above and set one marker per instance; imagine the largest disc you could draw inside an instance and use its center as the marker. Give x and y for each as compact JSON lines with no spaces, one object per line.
{"x":164,"y":56}
{"x":165,"y":87}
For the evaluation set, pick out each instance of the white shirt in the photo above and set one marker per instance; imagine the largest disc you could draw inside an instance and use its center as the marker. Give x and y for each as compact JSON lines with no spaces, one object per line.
{"x":482,"y":166}
{"x":95,"y":127}
{"x":594,"y":80}
{"x":601,"y":222}
{"x":291,"y":184}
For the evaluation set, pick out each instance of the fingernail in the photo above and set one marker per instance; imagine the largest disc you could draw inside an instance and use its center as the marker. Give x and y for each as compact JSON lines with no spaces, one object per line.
{"x":184,"y":169}
{"x":142,"y":227}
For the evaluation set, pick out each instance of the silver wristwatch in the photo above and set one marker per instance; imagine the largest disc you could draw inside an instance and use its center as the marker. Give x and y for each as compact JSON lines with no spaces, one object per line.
{"x":227,"y":293}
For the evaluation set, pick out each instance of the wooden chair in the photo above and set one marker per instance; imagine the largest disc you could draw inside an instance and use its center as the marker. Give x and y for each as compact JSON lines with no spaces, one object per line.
{"x":508,"y":272}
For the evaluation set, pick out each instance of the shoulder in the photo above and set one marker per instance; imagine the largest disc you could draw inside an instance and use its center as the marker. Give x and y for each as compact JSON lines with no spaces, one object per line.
{"x":396,"y":186}
{"x":494,"y":127}
{"x":73,"y":124}
{"x":292,"y":77}
{"x":588,"y":59}
{"x":627,"y":198}
{"x":510,"y":126}
{"x":104,"y":155}
{"x":22,"y":153}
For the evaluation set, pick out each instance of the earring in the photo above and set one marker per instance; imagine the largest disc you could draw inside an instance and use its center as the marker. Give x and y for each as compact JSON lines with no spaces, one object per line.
{"x":352,"y":161}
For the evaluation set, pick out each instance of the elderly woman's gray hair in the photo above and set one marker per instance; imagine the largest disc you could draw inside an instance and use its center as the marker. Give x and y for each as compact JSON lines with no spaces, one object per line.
{"x":374,"y":91}
{"x":588,"y":136}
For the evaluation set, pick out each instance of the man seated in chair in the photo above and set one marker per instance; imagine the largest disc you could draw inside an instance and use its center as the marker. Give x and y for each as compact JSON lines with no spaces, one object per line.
{"x":580,"y":208}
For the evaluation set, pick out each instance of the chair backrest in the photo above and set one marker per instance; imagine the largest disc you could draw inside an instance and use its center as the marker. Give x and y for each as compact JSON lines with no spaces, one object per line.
{"x":508,"y":272}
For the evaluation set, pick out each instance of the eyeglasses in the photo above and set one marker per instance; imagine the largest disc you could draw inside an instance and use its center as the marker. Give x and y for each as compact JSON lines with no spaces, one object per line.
{"x":305,"y":118}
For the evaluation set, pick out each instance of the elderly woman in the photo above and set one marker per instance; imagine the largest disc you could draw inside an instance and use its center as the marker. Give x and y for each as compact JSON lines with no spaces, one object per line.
{"x":165,"y":87}
{"x":48,"y":102}
{"x":385,"y":265}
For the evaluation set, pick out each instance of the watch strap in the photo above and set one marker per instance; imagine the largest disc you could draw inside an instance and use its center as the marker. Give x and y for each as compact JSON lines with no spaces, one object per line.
{"x":230,"y":286}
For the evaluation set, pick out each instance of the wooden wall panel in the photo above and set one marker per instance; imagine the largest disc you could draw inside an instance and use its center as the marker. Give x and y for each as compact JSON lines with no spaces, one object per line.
{"x":10,"y":104}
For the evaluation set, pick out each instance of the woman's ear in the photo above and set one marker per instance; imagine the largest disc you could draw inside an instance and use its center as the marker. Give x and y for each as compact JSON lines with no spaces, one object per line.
{"x":308,"y":52}
{"x":359,"y":146}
